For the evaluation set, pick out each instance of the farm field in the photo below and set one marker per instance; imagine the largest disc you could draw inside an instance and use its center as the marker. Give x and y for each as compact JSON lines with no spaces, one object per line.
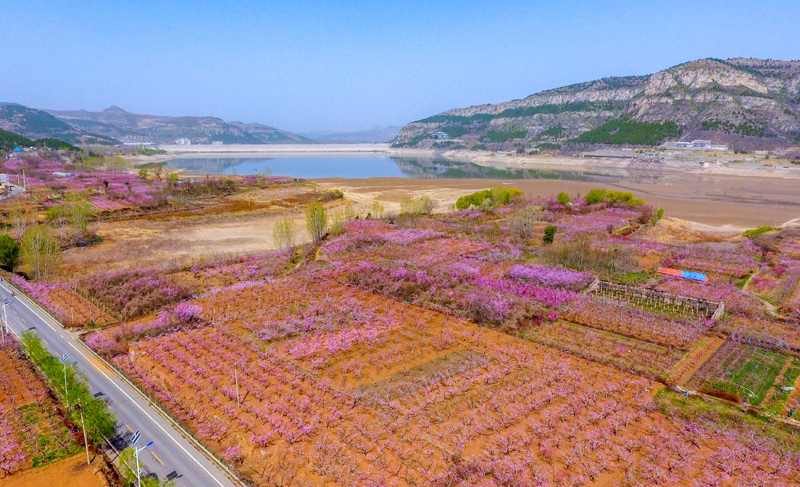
{"x":377,"y":391}
{"x":32,"y":431}
{"x":518,"y":341}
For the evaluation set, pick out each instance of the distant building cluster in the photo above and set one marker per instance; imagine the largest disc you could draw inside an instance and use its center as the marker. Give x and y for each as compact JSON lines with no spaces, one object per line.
{"x":183,"y":141}
{"x":694,"y":144}
{"x":440,"y":136}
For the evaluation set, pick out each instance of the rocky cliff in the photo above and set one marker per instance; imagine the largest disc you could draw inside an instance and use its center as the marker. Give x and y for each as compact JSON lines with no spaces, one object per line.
{"x":747,"y":103}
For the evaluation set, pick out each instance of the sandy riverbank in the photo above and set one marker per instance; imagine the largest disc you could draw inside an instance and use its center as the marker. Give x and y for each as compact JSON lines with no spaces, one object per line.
{"x":727,"y":202}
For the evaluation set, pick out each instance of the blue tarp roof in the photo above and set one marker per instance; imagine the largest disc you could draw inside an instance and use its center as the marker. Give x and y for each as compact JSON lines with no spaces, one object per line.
{"x":693,"y":275}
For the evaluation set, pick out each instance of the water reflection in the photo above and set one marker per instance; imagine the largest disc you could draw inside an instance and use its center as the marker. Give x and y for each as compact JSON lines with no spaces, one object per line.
{"x":357,"y":166}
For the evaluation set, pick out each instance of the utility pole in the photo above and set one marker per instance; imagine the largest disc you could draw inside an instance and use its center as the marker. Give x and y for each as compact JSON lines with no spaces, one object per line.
{"x":236,"y":378}
{"x":85,"y":441}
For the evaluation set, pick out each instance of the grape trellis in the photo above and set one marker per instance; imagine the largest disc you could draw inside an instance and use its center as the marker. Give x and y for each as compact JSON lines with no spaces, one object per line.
{"x":651,"y":298}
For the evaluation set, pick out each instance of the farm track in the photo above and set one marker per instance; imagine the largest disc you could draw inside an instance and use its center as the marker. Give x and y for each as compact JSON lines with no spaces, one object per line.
{"x":695,"y":360}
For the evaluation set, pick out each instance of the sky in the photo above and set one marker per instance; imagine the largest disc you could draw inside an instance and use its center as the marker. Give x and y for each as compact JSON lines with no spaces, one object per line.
{"x":311,"y":66}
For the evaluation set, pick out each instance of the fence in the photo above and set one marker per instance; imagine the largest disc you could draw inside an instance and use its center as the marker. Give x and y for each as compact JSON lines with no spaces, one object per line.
{"x":653,"y":298}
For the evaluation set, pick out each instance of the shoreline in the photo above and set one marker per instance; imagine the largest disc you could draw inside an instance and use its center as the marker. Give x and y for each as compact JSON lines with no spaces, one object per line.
{"x":485,"y":159}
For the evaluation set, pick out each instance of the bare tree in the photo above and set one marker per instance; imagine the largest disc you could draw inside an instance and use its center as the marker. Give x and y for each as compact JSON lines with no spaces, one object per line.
{"x":40,"y":252}
{"x":284,"y":234}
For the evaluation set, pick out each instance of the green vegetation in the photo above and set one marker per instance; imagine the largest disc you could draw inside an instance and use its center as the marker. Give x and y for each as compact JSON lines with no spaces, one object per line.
{"x":9,"y":252}
{"x":749,"y":374}
{"x":316,"y":222}
{"x":748,"y":127}
{"x":55,"y":144}
{"x":488,"y":197}
{"x":548,"y":146}
{"x":778,"y":400}
{"x":127,"y":470}
{"x":549,"y":234}
{"x":146,"y":151}
{"x":519,"y":112}
{"x":99,"y":420}
{"x":610,"y":196}
{"x":660,"y":214}
{"x":455,"y":131}
{"x":505,"y":136}
{"x":10,"y":140}
{"x":563,"y":199}
{"x":755,"y":232}
{"x":555,"y":131}
{"x":422,"y":205}
{"x":626,"y":131}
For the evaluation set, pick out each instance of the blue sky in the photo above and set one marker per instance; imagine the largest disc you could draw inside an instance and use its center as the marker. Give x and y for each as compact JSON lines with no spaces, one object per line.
{"x":311,"y":65}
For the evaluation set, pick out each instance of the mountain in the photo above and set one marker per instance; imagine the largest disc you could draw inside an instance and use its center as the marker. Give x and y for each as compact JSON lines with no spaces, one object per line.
{"x":746,"y":103}
{"x":38,"y":124}
{"x":120,"y":124}
{"x":374,"y":135}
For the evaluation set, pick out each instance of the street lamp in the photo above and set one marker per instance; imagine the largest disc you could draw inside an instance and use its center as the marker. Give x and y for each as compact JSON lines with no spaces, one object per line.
{"x":136,"y":454}
{"x":66,"y":390}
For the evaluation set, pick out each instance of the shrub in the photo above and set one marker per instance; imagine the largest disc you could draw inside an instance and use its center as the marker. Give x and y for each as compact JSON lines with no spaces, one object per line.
{"x":316,"y":222}
{"x":563,"y":198}
{"x":423,"y":205}
{"x":660,"y":213}
{"x":595,"y":196}
{"x":755,"y":232}
{"x":496,"y":196}
{"x":612,"y":197}
{"x":9,"y":252}
{"x":284,"y":233}
{"x":549,"y":234}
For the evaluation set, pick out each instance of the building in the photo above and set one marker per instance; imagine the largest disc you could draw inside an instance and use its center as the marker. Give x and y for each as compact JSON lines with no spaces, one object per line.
{"x":440,"y":136}
{"x":183,"y":141}
{"x":701,"y":144}
{"x":217,"y":142}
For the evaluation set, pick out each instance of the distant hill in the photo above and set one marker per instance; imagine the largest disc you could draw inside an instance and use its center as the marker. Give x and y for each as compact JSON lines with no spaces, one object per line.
{"x":117,"y":123}
{"x":38,"y":124}
{"x":375,"y":135}
{"x":746,"y":103}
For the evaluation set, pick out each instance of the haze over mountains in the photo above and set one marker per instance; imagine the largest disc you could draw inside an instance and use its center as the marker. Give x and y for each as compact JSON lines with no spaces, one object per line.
{"x":114,"y":124}
{"x":747,"y":103}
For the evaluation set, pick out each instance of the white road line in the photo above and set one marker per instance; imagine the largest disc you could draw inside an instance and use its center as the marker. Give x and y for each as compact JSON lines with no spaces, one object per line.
{"x":138,"y":406}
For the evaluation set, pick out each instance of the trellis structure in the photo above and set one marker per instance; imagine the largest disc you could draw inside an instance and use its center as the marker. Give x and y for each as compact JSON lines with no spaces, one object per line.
{"x":651,"y":297}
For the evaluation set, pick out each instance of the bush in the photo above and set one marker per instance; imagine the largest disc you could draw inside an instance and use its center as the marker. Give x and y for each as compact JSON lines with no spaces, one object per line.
{"x":581,"y":255}
{"x":9,"y":252}
{"x":496,"y":196}
{"x":563,"y":199}
{"x":423,"y":205}
{"x":316,"y":222}
{"x":612,"y":197}
{"x":660,"y":213}
{"x":284,"y":234}
{"x":755,"y":232}
{"x":549,"y":234}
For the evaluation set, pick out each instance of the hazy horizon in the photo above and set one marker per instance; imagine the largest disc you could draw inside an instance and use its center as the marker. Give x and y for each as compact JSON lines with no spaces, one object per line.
{"x":312,"y":67}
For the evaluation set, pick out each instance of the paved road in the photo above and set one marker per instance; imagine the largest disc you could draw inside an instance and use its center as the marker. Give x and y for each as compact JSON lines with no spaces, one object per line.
{"x":171,"y":450}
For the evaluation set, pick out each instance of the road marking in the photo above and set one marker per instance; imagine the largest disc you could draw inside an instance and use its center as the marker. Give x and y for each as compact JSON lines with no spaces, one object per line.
{"x":45,"y":320}
{"x":126,"y":425}
{"x":159,"y":460}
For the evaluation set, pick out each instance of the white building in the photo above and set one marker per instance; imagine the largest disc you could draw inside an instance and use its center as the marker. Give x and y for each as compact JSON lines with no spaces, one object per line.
{"x":183,"y":141}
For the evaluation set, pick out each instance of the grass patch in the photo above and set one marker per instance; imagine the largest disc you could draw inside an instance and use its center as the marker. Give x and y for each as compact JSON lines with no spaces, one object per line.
{"x":778,"y":399}
{"x":748,"y":372}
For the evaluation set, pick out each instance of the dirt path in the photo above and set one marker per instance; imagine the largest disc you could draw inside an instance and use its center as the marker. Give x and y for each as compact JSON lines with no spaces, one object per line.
{"x":695,"y":359}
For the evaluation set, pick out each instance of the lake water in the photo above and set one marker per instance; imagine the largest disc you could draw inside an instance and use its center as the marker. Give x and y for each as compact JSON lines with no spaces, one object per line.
{"x":371,"y":166}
